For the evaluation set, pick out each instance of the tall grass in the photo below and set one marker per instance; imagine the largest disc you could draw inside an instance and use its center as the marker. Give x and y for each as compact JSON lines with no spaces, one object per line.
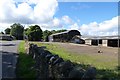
{"x":25,"y":64}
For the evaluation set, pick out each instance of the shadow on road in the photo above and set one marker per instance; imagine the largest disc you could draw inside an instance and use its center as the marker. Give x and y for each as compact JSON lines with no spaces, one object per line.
{"x":7,"y":44}
{"x":9,"y":60}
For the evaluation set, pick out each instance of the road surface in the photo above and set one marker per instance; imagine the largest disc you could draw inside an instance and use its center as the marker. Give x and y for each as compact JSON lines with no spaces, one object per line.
{"x":8,"y":58}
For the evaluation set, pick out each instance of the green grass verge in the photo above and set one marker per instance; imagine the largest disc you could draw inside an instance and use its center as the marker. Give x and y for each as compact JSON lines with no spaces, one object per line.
{"x":104,"y":70}
{"x":25,"y":63}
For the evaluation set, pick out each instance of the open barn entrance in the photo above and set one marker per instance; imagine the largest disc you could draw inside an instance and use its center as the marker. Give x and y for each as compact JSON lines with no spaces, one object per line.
{"x":114,"y":42}
{"x":94,"y":42}
{"x":100,"y":41}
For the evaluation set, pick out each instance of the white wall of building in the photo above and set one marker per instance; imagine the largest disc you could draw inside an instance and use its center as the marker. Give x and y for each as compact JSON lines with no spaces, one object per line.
{"x":104,"y":42}
{"x":88,"y":42}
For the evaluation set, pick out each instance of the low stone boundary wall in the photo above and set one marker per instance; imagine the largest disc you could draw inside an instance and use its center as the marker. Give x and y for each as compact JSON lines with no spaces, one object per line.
{"x":52,"y":66}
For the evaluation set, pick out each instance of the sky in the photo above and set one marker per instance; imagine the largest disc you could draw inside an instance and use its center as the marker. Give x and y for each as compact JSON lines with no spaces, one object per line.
{"x":90,"y":18}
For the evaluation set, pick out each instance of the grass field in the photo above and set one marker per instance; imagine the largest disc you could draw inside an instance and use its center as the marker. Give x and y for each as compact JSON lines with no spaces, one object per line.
{"x":104,"y":70}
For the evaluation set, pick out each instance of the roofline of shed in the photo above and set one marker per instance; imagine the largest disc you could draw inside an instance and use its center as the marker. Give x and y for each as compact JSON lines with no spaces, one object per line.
{"x":61,"y":32}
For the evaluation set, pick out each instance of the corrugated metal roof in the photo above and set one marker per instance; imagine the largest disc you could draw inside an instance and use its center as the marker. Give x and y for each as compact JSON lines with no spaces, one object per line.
{"x":59,"y":33}
{"x":62,"y":32}
{"x":101,"y":37}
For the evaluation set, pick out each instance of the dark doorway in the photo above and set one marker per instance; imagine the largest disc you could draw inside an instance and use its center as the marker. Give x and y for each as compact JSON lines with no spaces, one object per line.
{"x":100,"y":41}
{"x":113,"y":43}
{"x":95,"y":42}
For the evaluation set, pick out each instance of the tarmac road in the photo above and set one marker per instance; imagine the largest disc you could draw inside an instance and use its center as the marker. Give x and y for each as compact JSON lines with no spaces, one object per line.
{"x":8,"y":58}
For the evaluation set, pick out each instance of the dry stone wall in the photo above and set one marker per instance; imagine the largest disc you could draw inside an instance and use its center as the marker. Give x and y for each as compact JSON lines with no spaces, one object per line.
{"x":50,"y":66}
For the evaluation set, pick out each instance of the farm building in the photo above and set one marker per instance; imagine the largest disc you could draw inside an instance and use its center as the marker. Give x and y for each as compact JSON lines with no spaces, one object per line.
{"x":111,"y":41}
{"x":77,"y":39}
{"x":6,"y":37}
{"x":67,"y":36}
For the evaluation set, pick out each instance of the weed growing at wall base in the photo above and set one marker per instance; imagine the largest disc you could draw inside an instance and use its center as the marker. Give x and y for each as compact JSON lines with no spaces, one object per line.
{"x":25,"y":65}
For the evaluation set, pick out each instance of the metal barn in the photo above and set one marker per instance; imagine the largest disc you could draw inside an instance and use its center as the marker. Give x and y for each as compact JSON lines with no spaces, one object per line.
{"x":64,"y":36}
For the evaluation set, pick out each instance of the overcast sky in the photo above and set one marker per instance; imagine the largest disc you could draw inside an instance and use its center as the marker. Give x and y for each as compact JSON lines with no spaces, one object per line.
{"x":90,"y":18}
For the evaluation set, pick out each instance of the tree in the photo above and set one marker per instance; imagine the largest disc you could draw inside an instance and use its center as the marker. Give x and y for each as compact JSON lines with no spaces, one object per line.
{"x":46,"y":34}
{"x":25,"y":31}
{"x":7,"y":31}
{"x":17,"y":31}
{"x":53,"y":31}
{"x":34,"y":33}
